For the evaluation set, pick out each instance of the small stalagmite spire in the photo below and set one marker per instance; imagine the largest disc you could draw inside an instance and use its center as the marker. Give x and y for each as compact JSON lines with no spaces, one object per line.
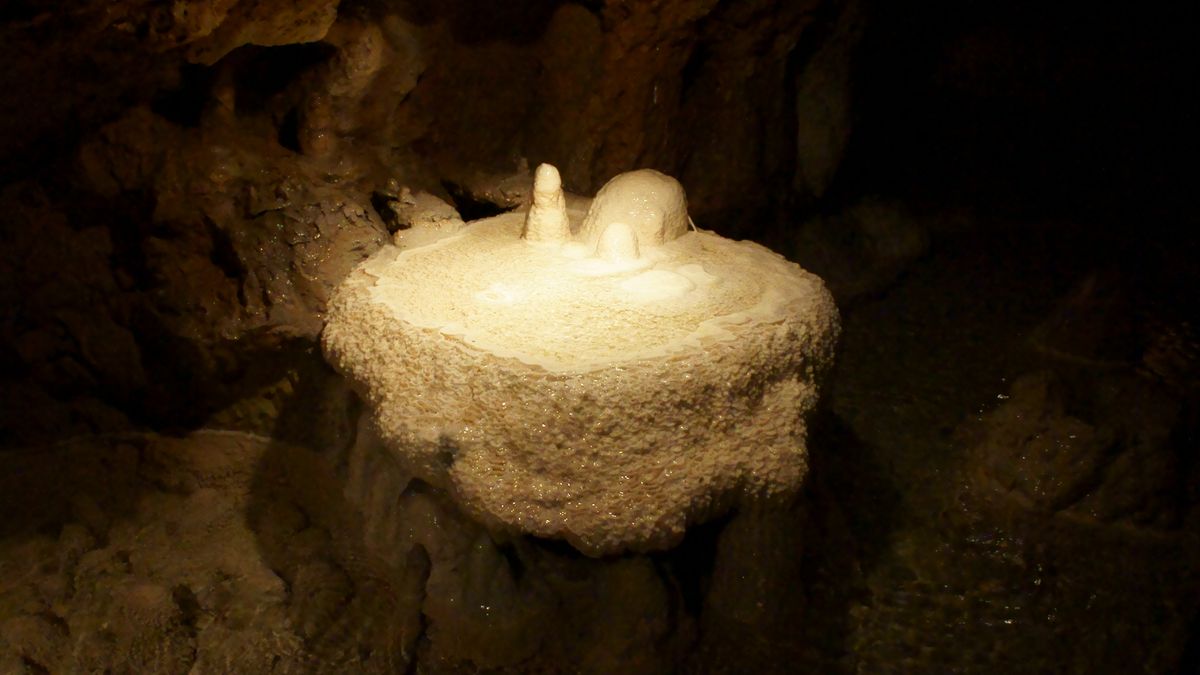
{"x":547,"y":218}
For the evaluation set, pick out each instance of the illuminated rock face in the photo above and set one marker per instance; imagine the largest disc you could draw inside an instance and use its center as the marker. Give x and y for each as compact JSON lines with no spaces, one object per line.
{"x":606,"y":390}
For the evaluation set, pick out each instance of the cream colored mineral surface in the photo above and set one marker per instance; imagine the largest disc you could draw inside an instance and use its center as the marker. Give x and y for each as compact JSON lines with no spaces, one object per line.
{"x":608,"y":389}
{"x":652,"y":203}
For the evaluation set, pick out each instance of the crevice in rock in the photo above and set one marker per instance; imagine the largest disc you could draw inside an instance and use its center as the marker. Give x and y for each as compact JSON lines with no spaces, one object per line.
{"x":224,"y":255}
{"x":418,"y":560}
{"x":288,"y":134}
{"x":260,"y":73}
{"x":184,"y":105}
{"x":382,"y":205}
{"x":691,"y":562}
{"x":689,"y":76}
{"x":34,"y":667}
{"x":471,"y":207}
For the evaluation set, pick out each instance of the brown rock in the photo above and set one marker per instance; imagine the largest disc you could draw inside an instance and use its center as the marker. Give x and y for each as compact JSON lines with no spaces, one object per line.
{"x":1106,"y":454}
{"x":824,"y":104}
{"x":255,"y":22}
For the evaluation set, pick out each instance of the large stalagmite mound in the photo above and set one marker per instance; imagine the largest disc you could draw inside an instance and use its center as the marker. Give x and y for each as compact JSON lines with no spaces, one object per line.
{"x":609,"y":393}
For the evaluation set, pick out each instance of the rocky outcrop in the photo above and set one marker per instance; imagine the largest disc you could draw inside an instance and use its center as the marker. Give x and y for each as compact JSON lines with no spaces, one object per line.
{"x":267,"y":147}
{"x":609,"y":387}
{"x":221,"y":248}
{"x":230,"y":552}
{"x":1110,"y":455}
{"x":1100,"y":437}
{"x":213,"y":28}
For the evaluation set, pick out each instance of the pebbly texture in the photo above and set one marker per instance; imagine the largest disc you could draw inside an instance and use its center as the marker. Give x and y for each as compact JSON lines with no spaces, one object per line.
{"x":572,"y":409}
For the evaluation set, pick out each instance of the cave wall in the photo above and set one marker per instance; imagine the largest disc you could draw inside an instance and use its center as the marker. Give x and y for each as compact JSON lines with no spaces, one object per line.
{"x":182,"y":184}
{"x":212,"y":168}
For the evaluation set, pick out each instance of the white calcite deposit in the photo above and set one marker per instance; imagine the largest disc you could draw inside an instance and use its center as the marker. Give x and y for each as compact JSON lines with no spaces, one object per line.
{"x":651,"y":203}
{"x":608,"y":380}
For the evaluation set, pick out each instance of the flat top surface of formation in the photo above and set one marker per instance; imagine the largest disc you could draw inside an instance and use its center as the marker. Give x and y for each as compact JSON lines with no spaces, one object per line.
{"x":560,"y":307}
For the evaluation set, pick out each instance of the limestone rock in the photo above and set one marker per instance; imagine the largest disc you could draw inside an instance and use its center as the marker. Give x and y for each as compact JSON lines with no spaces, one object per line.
{"x":226,"y":552}
{"x":1084,"y":454}
{"x":606,"y":402}
{"x":422,"y":210}
{"x":262,"y":23}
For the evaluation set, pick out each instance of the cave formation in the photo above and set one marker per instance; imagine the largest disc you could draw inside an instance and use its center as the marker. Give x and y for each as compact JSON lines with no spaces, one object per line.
{"x":1000,"y":474}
